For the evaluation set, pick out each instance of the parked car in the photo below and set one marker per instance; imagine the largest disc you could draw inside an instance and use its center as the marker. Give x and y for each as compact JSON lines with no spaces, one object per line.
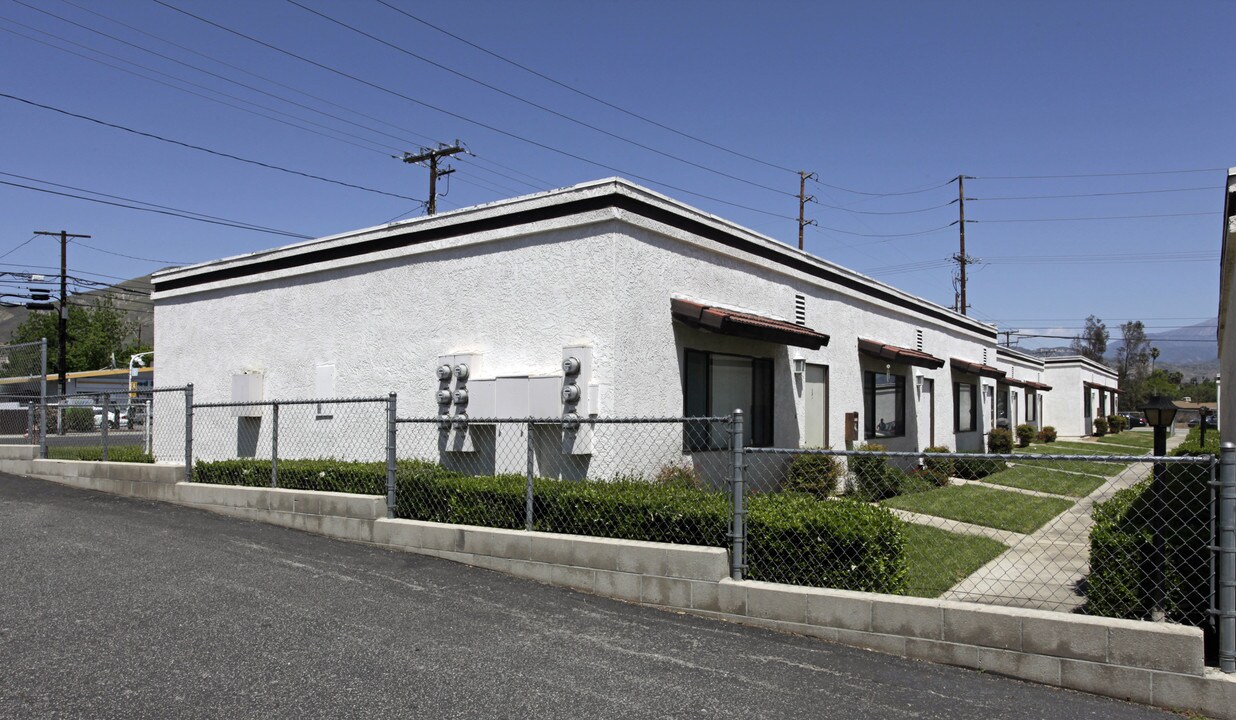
{"x":1211,"y":422}
{"x":118,"y":418}
{"x":1135,"y":419}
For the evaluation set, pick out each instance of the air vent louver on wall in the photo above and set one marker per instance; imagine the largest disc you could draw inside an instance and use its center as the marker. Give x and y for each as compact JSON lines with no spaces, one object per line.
{"x":918,"y":340}
{"x":800,"y":310}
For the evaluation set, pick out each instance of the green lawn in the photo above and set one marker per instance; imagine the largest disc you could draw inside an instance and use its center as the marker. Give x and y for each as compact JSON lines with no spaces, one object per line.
{"x":939,"y":559}
{"x":120,"y":453}
{"x":1071,"y":448}
{"x":1094,"y":467}
{"x":1044,"y":479}
{"x":1136,"y":439}
{"x":983,"y":506}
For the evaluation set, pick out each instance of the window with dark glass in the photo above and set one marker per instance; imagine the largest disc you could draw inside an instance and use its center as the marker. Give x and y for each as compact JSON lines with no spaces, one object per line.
{"x":716,"y":384}
{"x":1103,"y":403}
{"x":1002,"y":406}
{"x":884,"y":404}
{"x":1089,"y":409}
{"x":1032,"y":401}
{"x":965,"y":407}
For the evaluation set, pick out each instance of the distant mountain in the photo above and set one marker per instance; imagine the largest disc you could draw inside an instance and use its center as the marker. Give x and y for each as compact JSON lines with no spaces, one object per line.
{"x":1195,"y":345}
{"x":132,"y":296}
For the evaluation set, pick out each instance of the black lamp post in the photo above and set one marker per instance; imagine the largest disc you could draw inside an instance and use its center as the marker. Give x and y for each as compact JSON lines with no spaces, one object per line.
{"x":1160,"y":412}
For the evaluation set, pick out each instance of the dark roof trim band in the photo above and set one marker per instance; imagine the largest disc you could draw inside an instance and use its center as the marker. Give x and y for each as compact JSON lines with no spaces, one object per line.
{"x":551,"y":212}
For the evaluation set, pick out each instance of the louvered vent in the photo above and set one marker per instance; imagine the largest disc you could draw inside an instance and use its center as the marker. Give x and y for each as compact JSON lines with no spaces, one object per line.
{"x":800,"y":310}
{"x":918,"y":340}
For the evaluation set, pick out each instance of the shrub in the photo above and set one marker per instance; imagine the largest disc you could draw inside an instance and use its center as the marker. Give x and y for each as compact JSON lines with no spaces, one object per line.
{"x":1117,"y":423}
{"x":679,"y":476}
{"x":873,"y":478}
{"x":1025,"y":434}
{"x":1000,"y":441}
{"x":1100,"y":426}
{"x":816,"y":475}
{"x":978,"y":468}
{"x":1121,"y":542}
{"x":79,"y":419}
{"x":940,"y":469}
{"x":1047,"y":434}
{"x":94,"y":453}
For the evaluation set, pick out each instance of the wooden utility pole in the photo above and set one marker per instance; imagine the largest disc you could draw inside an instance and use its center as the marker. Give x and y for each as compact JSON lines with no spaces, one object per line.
{"x":431,"y":155}
{"x":803,"y":199}
{"x":961,"y":258}
{"x":62,"y":360}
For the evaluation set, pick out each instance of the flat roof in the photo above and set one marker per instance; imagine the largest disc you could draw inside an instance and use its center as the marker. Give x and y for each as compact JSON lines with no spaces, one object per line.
{"x":614,"y":198}
{"x":1079,"y":360}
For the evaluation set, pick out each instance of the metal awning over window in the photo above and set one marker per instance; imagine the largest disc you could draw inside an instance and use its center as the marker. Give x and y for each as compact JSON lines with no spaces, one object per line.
{"x":1097,"y":386}
{"x":894,"y":354}
{"x":745,"y":325}
{"x":976,"y":368}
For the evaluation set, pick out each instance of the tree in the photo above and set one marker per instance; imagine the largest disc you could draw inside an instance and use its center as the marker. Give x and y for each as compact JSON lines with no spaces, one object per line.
{"x":1092,"y":343}
{"x":1132,"y":362}
{"x":97,"y":334}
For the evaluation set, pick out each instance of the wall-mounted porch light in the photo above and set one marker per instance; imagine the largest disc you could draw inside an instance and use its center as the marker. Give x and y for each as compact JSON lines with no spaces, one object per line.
{"x":800,"y":365}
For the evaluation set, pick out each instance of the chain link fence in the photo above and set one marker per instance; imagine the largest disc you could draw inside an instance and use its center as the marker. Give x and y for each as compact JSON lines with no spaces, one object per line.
{"x":334,"y":444}
{"x":654,"y":479}
{"x":23,"y":373}
{"x":1087,"y":528}
{"x":117,"y":426}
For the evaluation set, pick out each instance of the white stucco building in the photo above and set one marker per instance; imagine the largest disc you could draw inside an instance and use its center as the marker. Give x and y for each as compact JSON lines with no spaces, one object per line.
{"x":1021,"y":392}
{"x":669,"y":310}
{"x":1082,"y":390}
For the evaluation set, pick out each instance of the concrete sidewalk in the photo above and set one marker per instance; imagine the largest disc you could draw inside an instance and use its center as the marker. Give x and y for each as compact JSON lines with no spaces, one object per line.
{"x":1045,"y":569}
{"x":125,"y":608}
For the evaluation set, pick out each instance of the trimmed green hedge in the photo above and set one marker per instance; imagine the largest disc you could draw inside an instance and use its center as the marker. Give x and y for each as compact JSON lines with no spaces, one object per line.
{"x":94,"y":453}
{"x":791,"y":537}
{"x":1121,"y":542}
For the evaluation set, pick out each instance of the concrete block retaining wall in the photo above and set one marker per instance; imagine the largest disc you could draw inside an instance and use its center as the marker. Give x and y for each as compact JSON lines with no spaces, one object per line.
{"x":1154,"y":664}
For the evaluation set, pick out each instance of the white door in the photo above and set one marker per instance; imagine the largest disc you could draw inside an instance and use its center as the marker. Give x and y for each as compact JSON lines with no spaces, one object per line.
{"x":815,"y":401}
{"x":927,"y":401}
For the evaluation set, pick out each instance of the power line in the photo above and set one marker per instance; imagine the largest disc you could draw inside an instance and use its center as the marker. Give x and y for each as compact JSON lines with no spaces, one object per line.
{"x":1097,"y":194}
{"x":204,"y":149}
{"x":590,"y":96}
{"x":536,"y":105}
{"x":131,"y":257}
{"x":467,"y":119}
{"x":1097,"y":175}
{"x":120,"y":197}
{"x":888,"y":235}
{"x":1103,"y":217}
{"x":19,"y":247}
{"x":887,"y":212}
{"x":946,"y":183}
{"x":180,"y":214}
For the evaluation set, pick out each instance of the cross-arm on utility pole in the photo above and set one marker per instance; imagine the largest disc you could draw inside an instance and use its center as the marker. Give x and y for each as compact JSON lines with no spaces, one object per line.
{"x":431,"y":155}
{"x":961,"y":258}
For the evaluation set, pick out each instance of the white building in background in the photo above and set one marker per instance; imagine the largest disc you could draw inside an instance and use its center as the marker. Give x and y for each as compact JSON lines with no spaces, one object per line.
{"x":1021,"y":392}
{"x":1082,"y":390}
{"x":668,"y":311}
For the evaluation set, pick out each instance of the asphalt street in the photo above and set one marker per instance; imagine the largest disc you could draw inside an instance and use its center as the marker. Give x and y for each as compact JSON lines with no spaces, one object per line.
{"x":119,"y":608}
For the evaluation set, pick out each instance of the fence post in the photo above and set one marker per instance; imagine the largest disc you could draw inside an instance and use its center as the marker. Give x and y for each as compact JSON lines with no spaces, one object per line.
{"x":1227,"y":557}
{"x":189,"y":432}
{"x":274,"y":446}
{"x":146,"y":425}
{"x":528,"y":488}
{"x":391,"y":427}
{"x":738,"y":525}
{"x":106,"y":421}
{"x":43,"y":399}
{"x":30,"y":421}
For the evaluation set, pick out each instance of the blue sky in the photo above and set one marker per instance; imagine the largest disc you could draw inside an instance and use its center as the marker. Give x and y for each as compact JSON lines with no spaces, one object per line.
{"x":873,"y":97}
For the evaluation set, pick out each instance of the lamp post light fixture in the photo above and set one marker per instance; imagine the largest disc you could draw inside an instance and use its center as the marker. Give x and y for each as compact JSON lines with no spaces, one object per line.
{"x":1160,"y":412}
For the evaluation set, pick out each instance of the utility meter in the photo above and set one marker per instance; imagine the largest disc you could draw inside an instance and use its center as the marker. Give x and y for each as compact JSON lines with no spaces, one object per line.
{"x":570,"y":366}
{"x":461,"y":396}
{"x":570,"y":393}
{"x":444,"y":372}
{"x":461,"y":371}
{"x":570,"y":421}
{"x":461,"y":421}
{"x":444,"y":422}
{"x":444,"y":397}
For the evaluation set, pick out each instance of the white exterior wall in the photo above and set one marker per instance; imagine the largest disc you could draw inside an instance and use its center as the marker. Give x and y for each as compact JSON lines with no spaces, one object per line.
{"x":1026,"y":368}
{"x":1065,"y":404}
{"x":517,"y":297}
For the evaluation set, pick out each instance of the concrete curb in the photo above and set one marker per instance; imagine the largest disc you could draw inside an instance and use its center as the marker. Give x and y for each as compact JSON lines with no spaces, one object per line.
{"x":1153,"y":664}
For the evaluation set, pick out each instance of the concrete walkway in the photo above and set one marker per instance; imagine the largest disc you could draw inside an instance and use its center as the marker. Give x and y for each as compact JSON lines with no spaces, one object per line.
{"x":1045,"y":569}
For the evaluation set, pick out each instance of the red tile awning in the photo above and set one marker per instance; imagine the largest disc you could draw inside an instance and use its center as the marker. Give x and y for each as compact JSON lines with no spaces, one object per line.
{"x":1015,"y":382}
{"x":968,"y":366}
{"x":745,"y":325}
{"x":1097,"y":386}
{"x":894,"y":354}
{"x":1037,"y":386}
